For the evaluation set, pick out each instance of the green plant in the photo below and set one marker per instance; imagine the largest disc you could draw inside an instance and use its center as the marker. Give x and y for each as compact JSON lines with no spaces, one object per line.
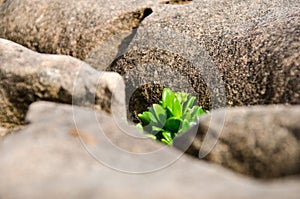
{"x":175,"y":114}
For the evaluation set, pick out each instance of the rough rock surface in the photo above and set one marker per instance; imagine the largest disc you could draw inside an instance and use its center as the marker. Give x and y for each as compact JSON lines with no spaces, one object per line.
{"x":71,"y":27}
{"x":47,"y":160}
{"x":27,"y":76}
{"x":230,"y":52}
{"x":260,"y":141}
{"x":226,"y":52}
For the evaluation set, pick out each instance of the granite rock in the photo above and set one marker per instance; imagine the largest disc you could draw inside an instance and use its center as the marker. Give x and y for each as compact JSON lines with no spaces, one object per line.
{"x":260,"y":141}
{"x":230,"y":53}
{"x":27,"y":76}
{"x":72,"y":27}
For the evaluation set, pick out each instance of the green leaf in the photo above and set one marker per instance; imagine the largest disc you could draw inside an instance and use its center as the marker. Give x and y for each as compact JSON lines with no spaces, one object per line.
{"x":165,"y":141}
{"x":175,"y":114}
{"x":187,"y":115}
{"x":145,"y":117}
{"x":167,"y":135}
{"x":173,"y":124}
{"x":184,"y":126}
{"x":177,"y":108}
{"x":164,"y":97}
{"x":195,"y":113}
{"x":152,"y":115}
{"x":189,"y":104}
{"x":167,"y":98}
{"x":158,"y":129}
{"x":182,"y":97}
{"x":201,"y":111}
{"x":160,"y":113}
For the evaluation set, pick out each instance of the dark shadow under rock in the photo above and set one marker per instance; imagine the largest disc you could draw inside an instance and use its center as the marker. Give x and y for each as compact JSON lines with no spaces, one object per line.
{"x":147,"y":71}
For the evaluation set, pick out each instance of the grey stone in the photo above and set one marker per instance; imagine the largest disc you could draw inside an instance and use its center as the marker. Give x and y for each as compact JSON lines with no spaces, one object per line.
{"x":260,"y":141}
{"x":27,"y":76}
{"x":230,"y":53}
{"x":71,"y":27}
{"x":52,"y":158}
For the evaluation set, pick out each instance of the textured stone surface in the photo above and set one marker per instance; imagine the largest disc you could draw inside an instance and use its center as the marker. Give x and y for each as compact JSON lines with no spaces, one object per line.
{"x":47,"y":160}
{"x":70,"y":27}
{"x":246,"y":50}
{"x":27,"y":76}
{"x":260,"y":141}
{"x":227,"y":52}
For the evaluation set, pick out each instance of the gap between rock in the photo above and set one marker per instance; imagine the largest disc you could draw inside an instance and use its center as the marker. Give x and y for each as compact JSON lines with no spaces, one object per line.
{"x":127,"y":40}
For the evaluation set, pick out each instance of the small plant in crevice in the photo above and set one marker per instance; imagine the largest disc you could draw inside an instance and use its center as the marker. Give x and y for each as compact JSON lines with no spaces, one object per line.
{"x":175,"y":114}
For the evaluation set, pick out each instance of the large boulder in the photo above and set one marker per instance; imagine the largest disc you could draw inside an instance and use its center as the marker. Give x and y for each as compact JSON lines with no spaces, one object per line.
{"x":71,"y":27}
{"x":230,"y":53}
{"x":27,"y":76}
{"x":73,"y":152}
{"x":226,"y":53}
{"x":260,"y":141}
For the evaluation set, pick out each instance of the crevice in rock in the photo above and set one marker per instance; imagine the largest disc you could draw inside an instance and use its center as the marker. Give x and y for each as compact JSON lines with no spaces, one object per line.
{"x":174,"y":2}
{"x":127,"y":40}
{"x":147,"y":12}
{"x":116,"y":39}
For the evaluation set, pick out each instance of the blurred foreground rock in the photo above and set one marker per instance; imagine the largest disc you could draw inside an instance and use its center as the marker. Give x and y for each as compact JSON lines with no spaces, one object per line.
{"x":260,"y":141}
{"x":71,"y":152}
